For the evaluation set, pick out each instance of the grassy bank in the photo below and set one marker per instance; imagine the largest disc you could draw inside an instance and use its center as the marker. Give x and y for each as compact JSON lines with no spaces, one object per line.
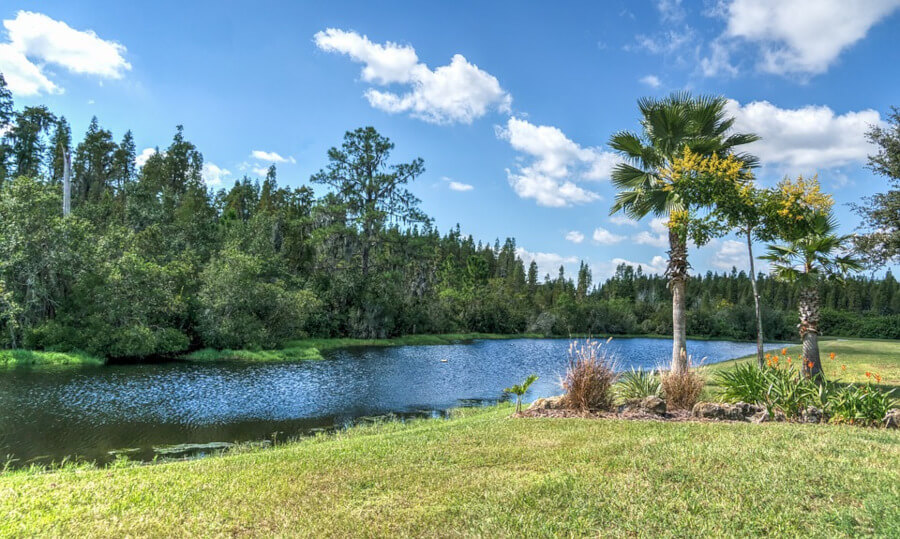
{"x":852,"y":360}
{"x":312,"y":348}
{"x":483,"y":473}
{"x":17,"y":358}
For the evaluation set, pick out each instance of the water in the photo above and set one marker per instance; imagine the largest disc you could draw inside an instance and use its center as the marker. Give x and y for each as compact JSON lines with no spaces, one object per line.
{"x":91,"y":413}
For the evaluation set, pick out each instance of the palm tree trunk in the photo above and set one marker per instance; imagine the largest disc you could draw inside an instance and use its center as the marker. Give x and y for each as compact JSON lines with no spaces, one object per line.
{"x":759,"y":327}
{"x":809,"y":332}
{"x":677,"y":274}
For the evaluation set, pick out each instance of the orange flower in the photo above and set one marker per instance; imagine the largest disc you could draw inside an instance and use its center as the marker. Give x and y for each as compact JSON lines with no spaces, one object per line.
{"x":843,"y":367}
{"x":784,"y":351}
{"x":809,"y":364}
{"x":831,"y":355}
{"x":877,"y":378}
{"x":868,"y":374}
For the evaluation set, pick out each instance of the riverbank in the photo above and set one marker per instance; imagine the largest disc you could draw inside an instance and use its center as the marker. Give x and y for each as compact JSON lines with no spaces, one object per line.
{"x":306,"y":349}
{"x":23,"y":358}
{"x":482,"y":473}
{"x":853,"y":358}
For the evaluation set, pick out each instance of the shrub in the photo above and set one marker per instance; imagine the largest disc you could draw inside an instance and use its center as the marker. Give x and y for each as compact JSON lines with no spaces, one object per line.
{"x":776,"y":387}
{"x":682,"y":389}
{"x":745,"y":382}
{"x":860,"y":405}
{"x":589,"y":377}
{"x":637,"y":384}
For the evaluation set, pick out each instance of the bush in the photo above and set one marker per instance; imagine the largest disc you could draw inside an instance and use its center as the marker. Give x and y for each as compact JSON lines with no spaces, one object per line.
{"x":682,"y":389}
{"x":589,"y":377}
{"x":777,"y":388}
{"x":860,"y":405}
{"x":637,"y":384}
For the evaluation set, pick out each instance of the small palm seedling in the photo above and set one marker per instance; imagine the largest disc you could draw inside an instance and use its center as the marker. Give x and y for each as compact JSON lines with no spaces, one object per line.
{"x":519,"y":389}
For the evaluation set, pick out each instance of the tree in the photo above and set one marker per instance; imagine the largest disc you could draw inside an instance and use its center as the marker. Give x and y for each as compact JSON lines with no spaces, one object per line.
{"x":6,"y":117}
{"x":669,"y":126}
{"x":520,"y":389}
{"x":370,"y":190}
{"x":805,"y":262}
{"x":29,"y":144}
{"x":881,"y":212}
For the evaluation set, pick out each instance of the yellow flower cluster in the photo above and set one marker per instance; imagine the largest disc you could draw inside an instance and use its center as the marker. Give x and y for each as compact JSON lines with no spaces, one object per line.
{"x":691,"y":163}
{"x":797,"y":198}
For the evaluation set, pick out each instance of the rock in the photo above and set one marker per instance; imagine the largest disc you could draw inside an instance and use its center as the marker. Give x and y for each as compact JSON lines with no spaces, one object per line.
{"x":648,"y":405}
{"x":653,"y":405}
{"x":549,"y":403}
{"x":892,"y":418}
{"x":708,"y":410}
{"x":764,"y":416}
{"x":741,"y":411}
{"x":813,"y":415}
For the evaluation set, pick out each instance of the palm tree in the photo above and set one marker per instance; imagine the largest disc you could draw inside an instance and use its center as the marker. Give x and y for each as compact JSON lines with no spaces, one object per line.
{"x":805,"y":261}
{"x":669,"y":125}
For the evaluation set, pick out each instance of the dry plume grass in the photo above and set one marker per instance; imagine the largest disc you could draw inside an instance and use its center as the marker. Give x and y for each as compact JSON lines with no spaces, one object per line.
{"x":590,"y":376}
{"x":682,"y":389}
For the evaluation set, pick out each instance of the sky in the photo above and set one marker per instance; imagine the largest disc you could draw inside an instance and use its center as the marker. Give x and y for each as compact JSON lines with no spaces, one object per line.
{"x":510,"y":104}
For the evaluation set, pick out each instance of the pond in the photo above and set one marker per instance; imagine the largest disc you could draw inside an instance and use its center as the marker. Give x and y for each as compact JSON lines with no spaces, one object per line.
{"x":144,"y":410}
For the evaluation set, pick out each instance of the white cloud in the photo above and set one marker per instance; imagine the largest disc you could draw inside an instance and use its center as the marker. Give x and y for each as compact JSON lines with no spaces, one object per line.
{"x":668,"y":42}
{"x":730,"y":254}
{"x":547,"y":262}
{"x":555,"y":162}
{"x":657,"y":236}
{"x":605,"y":270}
{"x":605,"y":237}
{"x":811,"y":137}
{"x":259,"y":171}
{"x":34,"y":40}
{"x":459,"y":186}
{"x":621,"y":220}
{"x":141,"y":158}
{"x":23,"y":77}
{"x":651,"y":81}
{"x":574,"y":236}
{"x":271,"y":157}
{"x":214,"y":175}
{"x":670,"y":10}
{"x":457,"y":92}
{"x":799,"y":36}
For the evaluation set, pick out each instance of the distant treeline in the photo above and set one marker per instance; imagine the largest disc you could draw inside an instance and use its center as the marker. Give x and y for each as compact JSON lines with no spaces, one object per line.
{"x":151,"y":261}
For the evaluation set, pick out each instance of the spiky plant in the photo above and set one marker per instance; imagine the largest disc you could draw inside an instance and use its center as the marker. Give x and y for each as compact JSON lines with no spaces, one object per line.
{"x":520,"y":389}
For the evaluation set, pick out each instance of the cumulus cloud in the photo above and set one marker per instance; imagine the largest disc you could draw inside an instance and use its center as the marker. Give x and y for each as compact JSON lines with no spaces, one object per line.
{"x":546,"y":262}
{"x":810,"y":137}
{"x":621,"y":220}
{"x":657,"y":236}
{"x":651,"y":81}
{"x":141,"y":158}
{"x":574,"y":236}
{"x":36,"y":40}
{"x":214,"y":175}
{"x":458,"y":92}
{"x":553,"y":163}
{"x":798,"y":36}
{"x":271,"y":157}
{"x":604,"y":270}
{"x":602,"y":236}
{"x":730,"y":254}
{"x":457,"y":186}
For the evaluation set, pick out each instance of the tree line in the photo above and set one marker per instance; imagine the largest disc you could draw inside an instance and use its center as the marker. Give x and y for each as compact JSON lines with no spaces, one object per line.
{"x":150,"y":261}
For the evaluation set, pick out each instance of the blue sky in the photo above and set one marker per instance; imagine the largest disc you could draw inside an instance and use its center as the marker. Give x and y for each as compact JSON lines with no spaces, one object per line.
{"x":510,"y":104}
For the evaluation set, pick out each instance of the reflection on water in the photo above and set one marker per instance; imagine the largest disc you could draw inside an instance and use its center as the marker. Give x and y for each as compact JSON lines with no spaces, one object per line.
{"x":91,"y":412}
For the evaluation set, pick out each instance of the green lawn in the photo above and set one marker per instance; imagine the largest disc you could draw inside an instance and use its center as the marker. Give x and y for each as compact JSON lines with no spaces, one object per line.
{"x":483,"y":473}
{"x":858,"y":355}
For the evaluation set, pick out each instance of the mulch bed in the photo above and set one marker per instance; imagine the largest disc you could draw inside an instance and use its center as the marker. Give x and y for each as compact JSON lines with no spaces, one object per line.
{"x":674,"y":415}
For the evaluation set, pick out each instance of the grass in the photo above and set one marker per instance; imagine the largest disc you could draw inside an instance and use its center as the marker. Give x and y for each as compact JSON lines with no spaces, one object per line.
{"x":302,"y":349}
{"x":485,"y":474}
{"x":859,"y":357}
{"x":17,"y":358}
